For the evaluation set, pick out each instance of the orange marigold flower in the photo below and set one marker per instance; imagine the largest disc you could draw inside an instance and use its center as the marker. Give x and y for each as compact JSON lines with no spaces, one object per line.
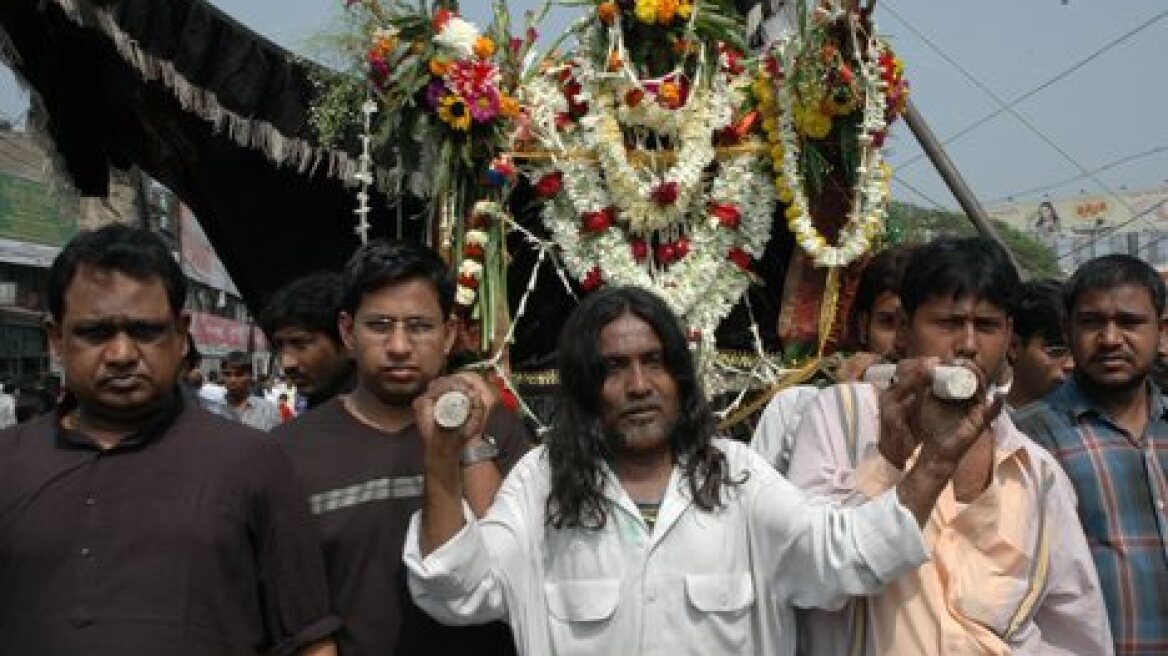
{"x":484,"y":47}
{"x":439,"y":67}
{"x":614,"y":61}
{"x":607,"y":12}
{"x":508,"y":106}
{"x":666,"y":11}
{"x":669,"y":94}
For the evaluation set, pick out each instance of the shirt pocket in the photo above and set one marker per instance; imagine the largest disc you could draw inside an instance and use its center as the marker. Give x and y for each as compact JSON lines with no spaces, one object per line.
{"x":719,"y":606}
{"x":581,"y":616}
{"x":992,"y":592}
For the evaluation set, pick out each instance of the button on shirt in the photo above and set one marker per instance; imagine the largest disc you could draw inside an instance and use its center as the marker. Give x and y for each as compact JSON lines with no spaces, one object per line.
{"x":189,"y":538}
{"x":701,"y":582}
{"x":1009,"y":572}
{"x":1120,"y":480}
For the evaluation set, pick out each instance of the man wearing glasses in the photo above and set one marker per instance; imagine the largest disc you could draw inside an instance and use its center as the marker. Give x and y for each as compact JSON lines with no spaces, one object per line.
{"x":1038,"y":354}
{"x":360,"y":457}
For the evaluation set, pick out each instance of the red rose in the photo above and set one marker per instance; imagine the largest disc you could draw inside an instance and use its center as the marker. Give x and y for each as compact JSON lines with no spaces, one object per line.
{"x":741,"y":258}
{"x":550,"y":184}
{"x":665,"y":193}
{"x":441,"y":18}
{"x":592,"y":280}
{"x":666,"y":253}
{"x":472,"y":251}
{"x":634,"y":97}
{"x":727,"y":214}
{"x":681,"y":247}
{"x":640,"y":250}
{"x":598,"y":221}
{"x":563,"y":120}
{"x":470,"y":282}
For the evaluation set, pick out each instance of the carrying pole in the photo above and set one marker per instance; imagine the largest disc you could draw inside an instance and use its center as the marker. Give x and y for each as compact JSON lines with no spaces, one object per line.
{"x":952,"y":177}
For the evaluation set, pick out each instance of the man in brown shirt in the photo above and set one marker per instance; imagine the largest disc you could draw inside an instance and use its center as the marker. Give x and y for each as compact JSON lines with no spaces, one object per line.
{"x":131,"y":522}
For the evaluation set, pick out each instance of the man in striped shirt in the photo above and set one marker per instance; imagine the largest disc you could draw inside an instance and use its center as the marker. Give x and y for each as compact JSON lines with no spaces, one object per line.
{"x":1108,"y":427}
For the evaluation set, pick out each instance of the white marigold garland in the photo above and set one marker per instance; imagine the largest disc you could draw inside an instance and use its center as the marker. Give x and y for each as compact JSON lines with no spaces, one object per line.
{"x":701,"y":286}
{"x":870,"y":201}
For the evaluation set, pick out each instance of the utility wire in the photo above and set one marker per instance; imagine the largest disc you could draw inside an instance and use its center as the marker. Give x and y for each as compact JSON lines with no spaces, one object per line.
{"x":1004,"y":106}
{"x":1107,"y":232}
{"x":1009,"y":107}
{"x":1066,"y":181}
{"x":920,"y":194}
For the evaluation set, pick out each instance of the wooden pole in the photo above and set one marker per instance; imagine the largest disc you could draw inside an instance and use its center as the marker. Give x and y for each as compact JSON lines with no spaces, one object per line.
{"x":952,"y":177}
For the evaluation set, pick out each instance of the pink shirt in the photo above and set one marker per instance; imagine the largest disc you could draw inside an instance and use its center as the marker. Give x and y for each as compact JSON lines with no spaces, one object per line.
{"x":1009,"y":572}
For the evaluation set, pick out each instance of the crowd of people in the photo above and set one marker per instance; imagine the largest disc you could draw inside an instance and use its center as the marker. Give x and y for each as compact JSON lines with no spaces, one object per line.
{"x":150,"y":511}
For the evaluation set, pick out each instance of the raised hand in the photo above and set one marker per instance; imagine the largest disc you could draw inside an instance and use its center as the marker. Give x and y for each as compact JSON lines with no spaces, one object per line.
{"x":449,"y":442}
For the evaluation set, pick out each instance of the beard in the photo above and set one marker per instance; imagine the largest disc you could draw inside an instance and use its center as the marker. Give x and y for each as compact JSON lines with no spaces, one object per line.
{"x":646,"y":438}
{"x":1115,"y":385}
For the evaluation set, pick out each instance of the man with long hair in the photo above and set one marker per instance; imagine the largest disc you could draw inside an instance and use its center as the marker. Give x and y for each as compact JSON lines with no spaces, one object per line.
{"x":635,"y":530}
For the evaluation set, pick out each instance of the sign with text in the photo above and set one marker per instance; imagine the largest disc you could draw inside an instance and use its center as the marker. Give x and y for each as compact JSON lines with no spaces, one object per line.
{"x":216,"y":334}
{"x":29,"y":212}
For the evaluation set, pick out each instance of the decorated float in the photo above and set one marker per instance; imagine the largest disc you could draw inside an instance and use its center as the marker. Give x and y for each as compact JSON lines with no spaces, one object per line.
{"x":645,"y":146}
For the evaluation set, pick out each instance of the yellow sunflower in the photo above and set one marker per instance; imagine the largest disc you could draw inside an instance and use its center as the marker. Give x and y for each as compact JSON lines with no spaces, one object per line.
{"x":453,"y":111}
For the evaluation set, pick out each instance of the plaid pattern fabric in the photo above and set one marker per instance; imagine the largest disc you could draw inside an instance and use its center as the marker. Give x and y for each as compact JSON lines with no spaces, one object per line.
{"x":1121,"y":484}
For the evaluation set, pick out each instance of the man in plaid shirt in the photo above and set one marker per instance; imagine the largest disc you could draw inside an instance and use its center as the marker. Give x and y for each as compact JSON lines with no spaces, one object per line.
{"x":1108,"y":427}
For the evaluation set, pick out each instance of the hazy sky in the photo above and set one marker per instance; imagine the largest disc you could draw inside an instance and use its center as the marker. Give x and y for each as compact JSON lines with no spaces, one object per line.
{"x":1092,"y":115}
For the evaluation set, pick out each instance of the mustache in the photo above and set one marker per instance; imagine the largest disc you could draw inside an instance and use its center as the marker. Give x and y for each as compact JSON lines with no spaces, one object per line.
{"x":633,"y":408}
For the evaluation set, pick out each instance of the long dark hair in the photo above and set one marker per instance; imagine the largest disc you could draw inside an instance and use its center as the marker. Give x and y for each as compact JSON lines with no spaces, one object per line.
{"x":576,"y":446}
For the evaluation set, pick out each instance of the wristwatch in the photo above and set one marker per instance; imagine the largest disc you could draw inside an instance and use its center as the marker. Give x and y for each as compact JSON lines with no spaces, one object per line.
{"x":488,"y":450}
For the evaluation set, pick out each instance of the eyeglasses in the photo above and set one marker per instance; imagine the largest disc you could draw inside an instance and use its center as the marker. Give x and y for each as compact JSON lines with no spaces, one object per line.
{"x":418,"y":329}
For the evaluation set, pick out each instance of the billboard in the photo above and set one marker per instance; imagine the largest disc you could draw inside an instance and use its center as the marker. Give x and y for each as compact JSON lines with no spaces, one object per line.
{"x":1086,"y":213}
{"x":30,"y":212}
{"x":217,"y":335}
{"x":199,"y":260}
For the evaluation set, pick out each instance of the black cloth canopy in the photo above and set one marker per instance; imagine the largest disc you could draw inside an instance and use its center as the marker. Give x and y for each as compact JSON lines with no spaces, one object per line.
{"x":208,"y":108}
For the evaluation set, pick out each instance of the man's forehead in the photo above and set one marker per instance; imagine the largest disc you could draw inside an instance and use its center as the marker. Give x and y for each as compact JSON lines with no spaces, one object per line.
{"x":628,"y":333}
{"x":1129,"y":298}
{"x":962,"y":304}
{"x":122,"y":296}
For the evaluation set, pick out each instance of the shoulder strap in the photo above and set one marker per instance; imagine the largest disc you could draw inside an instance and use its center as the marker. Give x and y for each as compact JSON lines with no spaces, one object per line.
{"x":1040,"y":567}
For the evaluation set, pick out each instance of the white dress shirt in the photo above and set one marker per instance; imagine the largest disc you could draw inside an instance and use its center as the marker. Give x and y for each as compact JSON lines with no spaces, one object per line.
{"x":708,"y":583}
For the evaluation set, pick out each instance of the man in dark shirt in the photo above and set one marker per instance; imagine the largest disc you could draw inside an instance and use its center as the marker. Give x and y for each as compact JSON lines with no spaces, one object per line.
{"x":301,"y":321}
{"x":132,"y":522}
{"x":360,"y":455}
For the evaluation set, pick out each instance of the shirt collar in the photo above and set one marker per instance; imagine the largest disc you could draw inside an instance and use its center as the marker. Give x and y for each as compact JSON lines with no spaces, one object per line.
{"x":162,"y":421}
{"x":1077,"y":403}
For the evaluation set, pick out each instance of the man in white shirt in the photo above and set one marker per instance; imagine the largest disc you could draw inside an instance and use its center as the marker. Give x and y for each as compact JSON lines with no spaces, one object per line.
{"x":7,"y":408}
{"x":245,"y":406}
{"x":633,"y":530}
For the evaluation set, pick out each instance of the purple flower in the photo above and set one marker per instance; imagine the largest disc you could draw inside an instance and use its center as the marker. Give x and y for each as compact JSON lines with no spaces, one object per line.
{"x":434,"y":93}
